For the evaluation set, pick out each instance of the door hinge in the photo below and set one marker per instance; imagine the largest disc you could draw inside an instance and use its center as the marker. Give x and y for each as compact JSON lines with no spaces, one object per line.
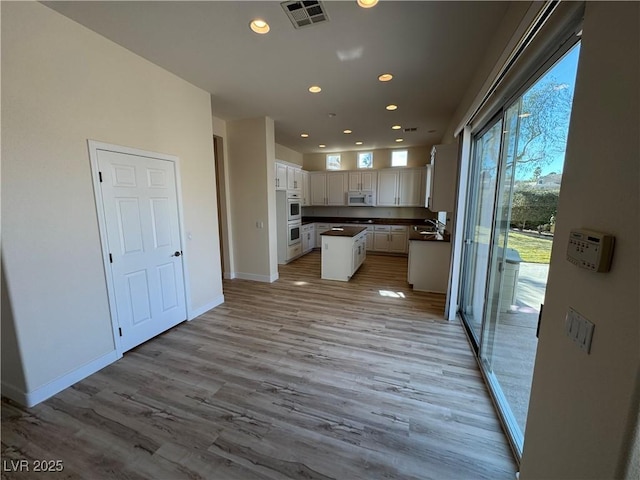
{"x":100,"y":176}
{"x":120,"y":331}
{"x":110,"y":258}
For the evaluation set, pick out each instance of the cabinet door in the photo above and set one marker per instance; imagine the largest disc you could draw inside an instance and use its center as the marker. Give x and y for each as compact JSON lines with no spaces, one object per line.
{"x":318,"y":188}
{"x":387,"y":188}
{"x":381,"y":241}
{"x":312,"y":236}
{"x":369,"y":241}
{"x":306,"y":188}
{"x":355,"y":180}
{"x":336,"y":189}
{"x":294,"y":179}
{"x":410,"y":188}
{"x":444,"y":159}
{"x":368,"y":181}
{"x":305,"y":239}
{"x":428,"y":186}
{"x":281,"y":176}
{"x":398,"y":242}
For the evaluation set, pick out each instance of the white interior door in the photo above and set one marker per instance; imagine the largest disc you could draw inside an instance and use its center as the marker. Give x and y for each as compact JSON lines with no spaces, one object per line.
{"x":140,"y":201}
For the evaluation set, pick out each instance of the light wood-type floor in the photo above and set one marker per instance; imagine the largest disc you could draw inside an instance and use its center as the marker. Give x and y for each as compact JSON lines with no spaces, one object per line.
{"x":303,"y":378}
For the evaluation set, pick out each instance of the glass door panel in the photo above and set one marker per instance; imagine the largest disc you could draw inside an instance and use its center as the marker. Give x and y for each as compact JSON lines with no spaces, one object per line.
{"x":477,"y":237}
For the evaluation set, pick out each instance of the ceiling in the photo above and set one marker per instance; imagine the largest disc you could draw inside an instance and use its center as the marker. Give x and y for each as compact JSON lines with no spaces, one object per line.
{"x":431,"y":48}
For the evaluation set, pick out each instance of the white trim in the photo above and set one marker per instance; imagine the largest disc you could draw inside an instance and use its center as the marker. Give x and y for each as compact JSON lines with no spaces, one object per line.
{"x":205,"y":308}
{"x":48,"y":390}
{"x":229,"y":275}
{"x":457,"y":237}
{"x":94,"y":146}
{"x":257,"y":278}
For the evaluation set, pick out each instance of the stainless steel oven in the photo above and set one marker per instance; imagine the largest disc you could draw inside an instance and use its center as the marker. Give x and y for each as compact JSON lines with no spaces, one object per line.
{"x":294,"y":232}
{"x":294,"y":207}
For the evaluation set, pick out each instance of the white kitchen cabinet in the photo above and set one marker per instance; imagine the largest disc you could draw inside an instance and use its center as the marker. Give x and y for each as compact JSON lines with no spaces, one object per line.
{"x":428,"y":265}
{"x":410,"y":187}
{"x":318,"y":187}
{"x":320,"y":227}
{"x":390,"y":238}
{"x":363,"y":181}
{"x":306,"y":189}
{"x":387,"y":194}
{"x":336,"y":189}
{"x":308,"y":237}
{"x":400,"y":187}
{"x":440,"y":192}
{"x":369,"y":240}
{"x":294,"y":179}
{"x":281,"y":176}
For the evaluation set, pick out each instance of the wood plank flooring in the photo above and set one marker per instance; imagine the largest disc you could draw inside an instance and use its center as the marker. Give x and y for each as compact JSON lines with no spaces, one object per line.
{"x":300,"y":379}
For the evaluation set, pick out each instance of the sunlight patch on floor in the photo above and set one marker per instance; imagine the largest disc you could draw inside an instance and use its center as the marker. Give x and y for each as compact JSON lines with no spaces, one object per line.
{"x":389,"y":293}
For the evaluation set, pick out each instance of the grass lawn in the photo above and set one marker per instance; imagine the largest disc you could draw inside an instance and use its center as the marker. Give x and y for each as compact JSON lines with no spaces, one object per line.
{"x":531,"y":249}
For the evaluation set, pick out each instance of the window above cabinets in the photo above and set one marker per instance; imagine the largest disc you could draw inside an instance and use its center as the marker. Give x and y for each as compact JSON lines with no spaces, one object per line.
{"x":365,"y":160}
{"x":399,"y":158}
{"x":333,"y":161}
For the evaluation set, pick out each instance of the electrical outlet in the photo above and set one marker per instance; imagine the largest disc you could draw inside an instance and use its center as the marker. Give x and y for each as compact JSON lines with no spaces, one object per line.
{"x":579,"y":329}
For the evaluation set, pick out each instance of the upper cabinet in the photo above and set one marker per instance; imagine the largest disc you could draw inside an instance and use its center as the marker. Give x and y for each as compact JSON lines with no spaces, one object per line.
{"x":306,"y":189}
{"x":288,"y":177}
{"x":328,"y":188}
{"x":360,"y":181}
{"x":440,"y":191}
{"x":281,"y":176}
{"x":294,"y":179}
{"x":400,"y":187}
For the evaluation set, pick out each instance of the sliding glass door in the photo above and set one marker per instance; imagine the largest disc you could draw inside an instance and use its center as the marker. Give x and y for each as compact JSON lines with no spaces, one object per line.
{"x":514,"y":187}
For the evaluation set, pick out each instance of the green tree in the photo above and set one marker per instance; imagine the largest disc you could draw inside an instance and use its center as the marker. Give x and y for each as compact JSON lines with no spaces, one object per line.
{"x":532,"y":207}
{"x":543,"y":126}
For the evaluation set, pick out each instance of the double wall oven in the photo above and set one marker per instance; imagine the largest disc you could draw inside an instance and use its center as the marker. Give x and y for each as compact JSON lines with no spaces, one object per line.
{"x":294,"y":218}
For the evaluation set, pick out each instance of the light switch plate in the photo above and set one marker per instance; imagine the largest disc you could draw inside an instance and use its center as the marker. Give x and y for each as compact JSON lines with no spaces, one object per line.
{"x":579,"y":329}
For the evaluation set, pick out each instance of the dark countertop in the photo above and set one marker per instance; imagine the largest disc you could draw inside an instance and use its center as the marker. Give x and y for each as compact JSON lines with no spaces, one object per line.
{"x":364,"y":221}
{"x":344,"y":232}
{"x":431,"y":237}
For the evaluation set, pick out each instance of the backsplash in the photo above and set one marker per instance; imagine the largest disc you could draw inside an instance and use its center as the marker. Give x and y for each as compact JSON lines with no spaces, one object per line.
{"x":368,"y":212}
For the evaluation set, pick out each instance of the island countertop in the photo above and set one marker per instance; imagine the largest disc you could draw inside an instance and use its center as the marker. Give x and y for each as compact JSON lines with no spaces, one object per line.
{"x":344,"y":231}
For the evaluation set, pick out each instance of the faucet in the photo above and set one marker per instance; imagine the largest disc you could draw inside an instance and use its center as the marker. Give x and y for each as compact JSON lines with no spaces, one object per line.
{"x":437,"y":224}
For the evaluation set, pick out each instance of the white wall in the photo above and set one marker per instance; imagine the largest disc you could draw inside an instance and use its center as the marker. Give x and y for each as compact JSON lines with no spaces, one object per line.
{"x":288,"y":155}
{"x":251,"y":177}
{"x":61,"y":85}
{"x":582,"y":406}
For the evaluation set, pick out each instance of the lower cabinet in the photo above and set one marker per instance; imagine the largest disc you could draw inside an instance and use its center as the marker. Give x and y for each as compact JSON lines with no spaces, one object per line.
{"x":390,"y":238}
{"x":308,"y":237}
{"x":428,"y":266}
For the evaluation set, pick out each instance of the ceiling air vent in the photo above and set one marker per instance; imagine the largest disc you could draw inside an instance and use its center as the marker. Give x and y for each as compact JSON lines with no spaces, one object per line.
{"x":304,"y":14}
{"x":412,"y":129}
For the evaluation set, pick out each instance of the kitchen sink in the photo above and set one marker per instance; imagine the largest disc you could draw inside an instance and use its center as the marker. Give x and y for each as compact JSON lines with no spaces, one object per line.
{"x":423,"y":229}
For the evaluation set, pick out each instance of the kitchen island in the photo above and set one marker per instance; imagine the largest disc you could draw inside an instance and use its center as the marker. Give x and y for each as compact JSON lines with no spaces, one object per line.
{"x":343,"y":250}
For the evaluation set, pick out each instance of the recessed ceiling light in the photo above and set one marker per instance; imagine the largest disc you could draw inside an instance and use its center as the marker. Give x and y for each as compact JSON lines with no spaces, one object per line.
{"x":391,"y":107}
{"x":359,"y":143}
{"x":304,"y":135}
{"x":315,"y":89}
{"x":322,"y":145}
{"x":347,"y":131}
{"x":399,"y":140}
{"x":259,"y":26}
{"x":385,"y":77}
{"x":367,"y":3}
{"x":396,"y":127}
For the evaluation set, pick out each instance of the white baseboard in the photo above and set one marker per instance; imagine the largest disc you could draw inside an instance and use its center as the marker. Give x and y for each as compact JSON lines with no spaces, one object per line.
{"x":29,"y":399}
{"x":205,"y":308}
{"x":257,"y":278}
{"x":229,"y":275}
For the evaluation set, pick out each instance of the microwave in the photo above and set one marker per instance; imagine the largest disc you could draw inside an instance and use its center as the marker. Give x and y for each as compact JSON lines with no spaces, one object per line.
{"x":361,"y":199}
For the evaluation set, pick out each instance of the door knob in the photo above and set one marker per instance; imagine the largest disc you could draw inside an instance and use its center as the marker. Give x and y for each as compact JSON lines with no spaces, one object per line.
{"x":177,"y":254}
